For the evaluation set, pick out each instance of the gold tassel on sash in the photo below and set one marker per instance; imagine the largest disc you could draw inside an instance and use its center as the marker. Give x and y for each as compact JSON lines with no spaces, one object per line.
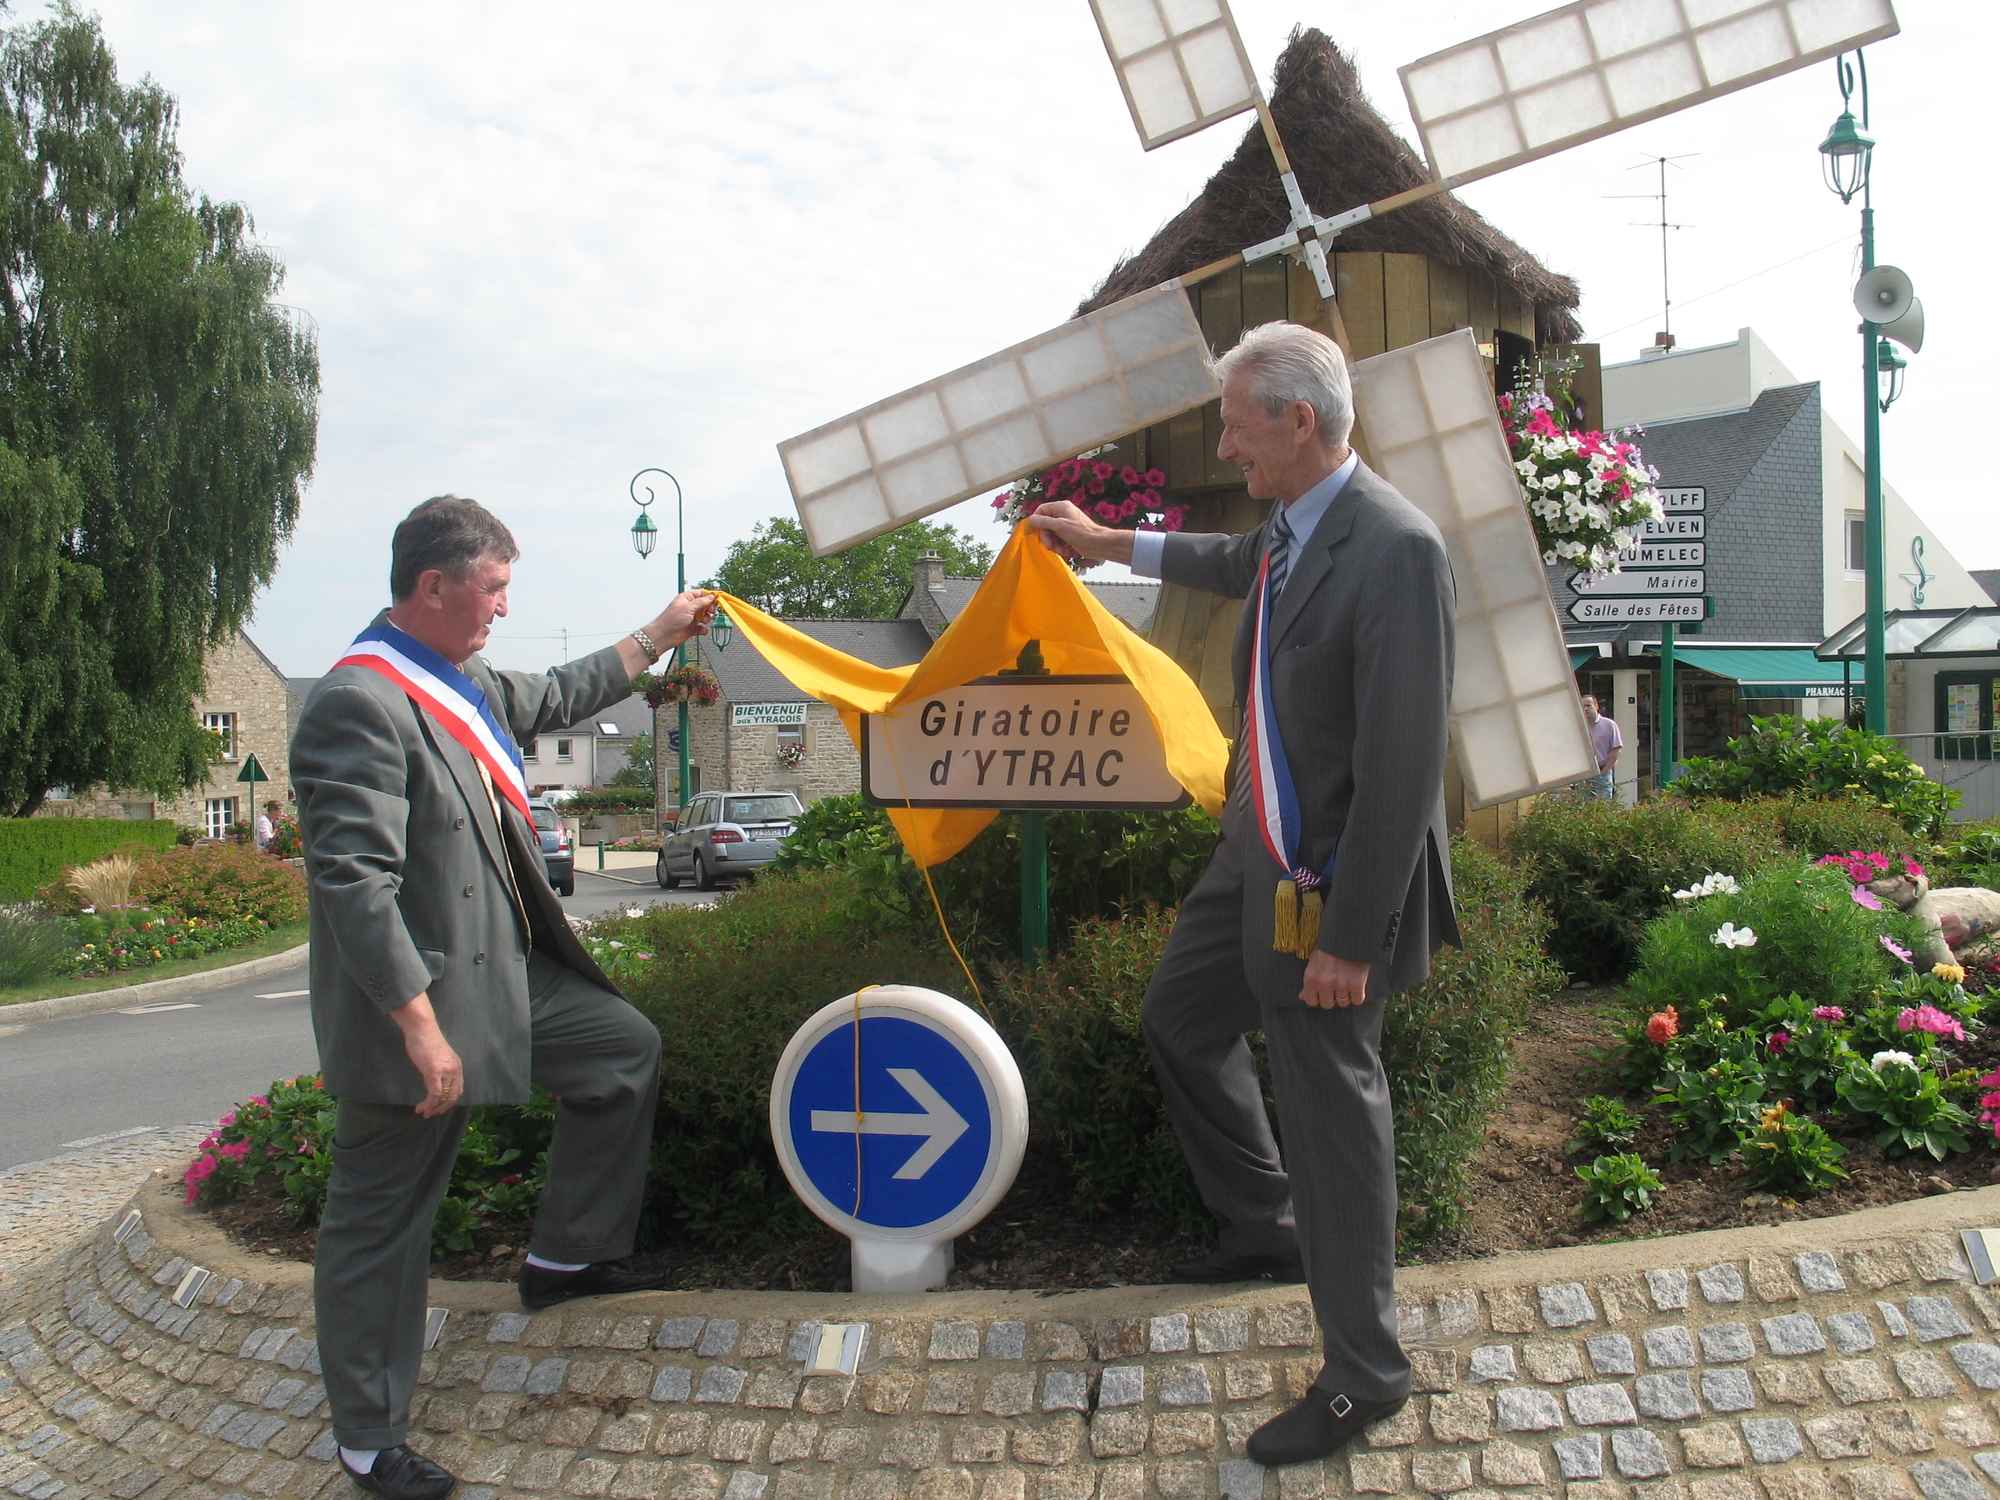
{"x":1285,"y":919}
{"x":1309,"y":909}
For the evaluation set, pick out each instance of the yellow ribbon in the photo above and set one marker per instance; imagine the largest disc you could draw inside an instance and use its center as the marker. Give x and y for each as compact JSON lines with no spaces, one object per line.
{"x":1029,"y":594}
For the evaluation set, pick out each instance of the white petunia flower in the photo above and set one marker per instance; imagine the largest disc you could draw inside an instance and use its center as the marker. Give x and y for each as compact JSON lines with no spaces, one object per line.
{"x":1729,"y":935}
{"x":1882,"y":1060}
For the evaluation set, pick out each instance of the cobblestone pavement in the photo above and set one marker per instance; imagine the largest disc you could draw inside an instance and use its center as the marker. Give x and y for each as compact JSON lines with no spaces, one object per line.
{"x":45,"y":1205}
{"x":1845,"y":1359}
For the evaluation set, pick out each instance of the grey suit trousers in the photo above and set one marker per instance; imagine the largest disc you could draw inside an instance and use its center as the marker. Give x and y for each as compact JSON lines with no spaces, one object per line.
{"x":601,"y":1058}
{"x":1333,"y":1194}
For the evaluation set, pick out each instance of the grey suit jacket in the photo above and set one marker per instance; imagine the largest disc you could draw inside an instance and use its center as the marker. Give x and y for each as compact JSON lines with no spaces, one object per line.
{"x":407,"y":877}
{"x":1361,"y":668}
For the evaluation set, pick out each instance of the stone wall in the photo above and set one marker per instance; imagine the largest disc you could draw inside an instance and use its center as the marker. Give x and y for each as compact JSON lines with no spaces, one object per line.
{"x":744,"y":757}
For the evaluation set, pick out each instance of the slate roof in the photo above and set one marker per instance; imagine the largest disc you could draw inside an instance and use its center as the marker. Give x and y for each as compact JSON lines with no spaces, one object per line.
{"x":747,"y":678}
{"x":631,"y":715}
{"x":1761,"y":468}
{"x":1131,"y":600}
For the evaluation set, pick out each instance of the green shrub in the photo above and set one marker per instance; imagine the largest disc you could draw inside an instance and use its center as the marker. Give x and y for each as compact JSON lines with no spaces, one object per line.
{"x":1790,"y":1154}
{"x":1968,"y":855}
{"x":32,"y":948}
{"x":1100,"y":863}
{"x":217,"y":882}
{"x":1603,"y":872}
{"x":1617,"y":1187}
{"x":1784,"y":756}
{"x":1605,"y":1122}
{"x":1811,"y":939}
{"x":36,"y":851}
{"x":727,"y":987}
{"x":1097,"y":1111}
{"x":1813,"y":826}
{"x":1908,"y":1108}
{"x":610,"y":799}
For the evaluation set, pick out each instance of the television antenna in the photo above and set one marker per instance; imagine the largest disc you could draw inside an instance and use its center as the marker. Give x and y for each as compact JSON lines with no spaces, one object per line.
{"x":1666,"y":338}
{"x":1424,"y":412}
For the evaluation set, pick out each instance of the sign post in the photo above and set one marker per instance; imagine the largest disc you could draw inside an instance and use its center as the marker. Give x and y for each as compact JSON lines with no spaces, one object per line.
{"x":1687,"y":500}
{"x":252,"y":773}
{"x":900,"y":1120}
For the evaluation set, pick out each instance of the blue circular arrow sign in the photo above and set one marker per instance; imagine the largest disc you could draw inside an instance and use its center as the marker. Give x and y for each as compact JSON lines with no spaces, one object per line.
{"x":941,"y":1122}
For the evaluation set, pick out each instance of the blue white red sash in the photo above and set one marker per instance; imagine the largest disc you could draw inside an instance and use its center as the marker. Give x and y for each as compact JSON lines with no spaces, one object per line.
{"x":1272,"y":793}
{"x":450,"y":697}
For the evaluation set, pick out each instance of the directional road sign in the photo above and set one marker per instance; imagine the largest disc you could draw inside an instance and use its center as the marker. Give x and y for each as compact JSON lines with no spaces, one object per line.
{"x":1617,"y":610}
{"x":1682,"y":528}
{"x":1664,"y":555}
{"x":1683,"y":500}
{"x":1641,"y":581}
{"x":936,"y":1135}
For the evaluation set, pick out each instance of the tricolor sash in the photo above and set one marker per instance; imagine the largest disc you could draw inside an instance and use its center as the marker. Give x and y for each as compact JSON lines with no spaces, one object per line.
{"x":1296,"y":914}
{"x":452,"y":699}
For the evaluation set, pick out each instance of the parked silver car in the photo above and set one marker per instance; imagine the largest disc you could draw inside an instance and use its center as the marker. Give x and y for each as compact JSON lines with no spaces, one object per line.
{"x":724,"y":836}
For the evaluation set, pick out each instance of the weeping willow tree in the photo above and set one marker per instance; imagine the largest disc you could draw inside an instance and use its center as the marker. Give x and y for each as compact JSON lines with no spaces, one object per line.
{"x":158,"y":419}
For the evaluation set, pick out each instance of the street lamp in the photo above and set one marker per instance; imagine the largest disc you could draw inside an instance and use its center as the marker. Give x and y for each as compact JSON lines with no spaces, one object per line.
{"x":721,"y":631}
{"x":1889,"y":368}
{"x":644,"y":535}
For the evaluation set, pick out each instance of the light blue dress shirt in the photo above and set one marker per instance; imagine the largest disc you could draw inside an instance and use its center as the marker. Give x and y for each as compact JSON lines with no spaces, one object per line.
{"x":1303,"y":515}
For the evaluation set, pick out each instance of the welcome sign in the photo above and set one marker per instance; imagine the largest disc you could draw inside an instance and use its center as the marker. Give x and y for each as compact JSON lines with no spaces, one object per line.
{"x":1021,"y":743}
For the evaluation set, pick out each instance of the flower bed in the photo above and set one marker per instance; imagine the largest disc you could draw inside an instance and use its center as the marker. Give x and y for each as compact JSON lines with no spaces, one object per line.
{"x":113,"y":942}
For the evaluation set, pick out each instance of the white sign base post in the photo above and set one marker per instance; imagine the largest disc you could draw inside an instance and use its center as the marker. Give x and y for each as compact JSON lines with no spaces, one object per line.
{"x":930,"y":1075}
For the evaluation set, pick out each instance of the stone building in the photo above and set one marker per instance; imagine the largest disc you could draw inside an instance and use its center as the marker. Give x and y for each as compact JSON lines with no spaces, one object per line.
{"x":766,"y":735}
{"x":245,"y":700}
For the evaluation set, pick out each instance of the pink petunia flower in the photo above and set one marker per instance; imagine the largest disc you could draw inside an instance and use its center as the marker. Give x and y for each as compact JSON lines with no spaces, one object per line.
{"x":1912,"y":869}
{"x":1780,"y":1040}
{"x":1156,"y":477}
{"x":1106,"y":511}
{"x":1831,"y":1013}
{"x":1930,"y":1019}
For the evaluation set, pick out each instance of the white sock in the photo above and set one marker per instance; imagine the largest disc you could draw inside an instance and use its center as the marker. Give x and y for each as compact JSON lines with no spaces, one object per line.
{"x":555,"y":1265}
{"x":360,"y":1460}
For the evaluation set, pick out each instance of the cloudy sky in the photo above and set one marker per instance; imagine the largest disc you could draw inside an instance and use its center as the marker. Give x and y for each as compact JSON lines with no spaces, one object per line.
{"x":545,"y":250}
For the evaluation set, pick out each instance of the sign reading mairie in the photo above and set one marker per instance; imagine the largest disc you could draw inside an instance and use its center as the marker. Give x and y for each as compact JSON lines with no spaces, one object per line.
{"x":1019,"y":742}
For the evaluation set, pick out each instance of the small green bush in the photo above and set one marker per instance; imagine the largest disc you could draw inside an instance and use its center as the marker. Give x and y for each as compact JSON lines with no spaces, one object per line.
{"x":32,"y":947}
{"x":1100,"y":863}
{"x":1811,"y":939}
{"x":1908,"y":1107}
{"x":1605,"y":1122}
{"x":218,"y":882}
{"x":1784,"y":756}
{"x":36,"y":851}
{"x":610,"y":799}
{"x":1813,"y":826}
{"x":1789,"y":1154}
{"x":1603,"y":872}
{"x":1617,"y":1187}
{"x":1968,"y":855}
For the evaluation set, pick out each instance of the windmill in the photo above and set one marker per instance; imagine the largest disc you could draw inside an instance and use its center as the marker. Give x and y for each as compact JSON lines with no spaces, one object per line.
{"x":1424,"y":413}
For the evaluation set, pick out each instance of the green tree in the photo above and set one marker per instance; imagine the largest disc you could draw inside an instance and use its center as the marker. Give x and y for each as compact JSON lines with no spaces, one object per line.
{"x":638,"y":767}
{"x":776,"y":571}
{"x":158,"y":418}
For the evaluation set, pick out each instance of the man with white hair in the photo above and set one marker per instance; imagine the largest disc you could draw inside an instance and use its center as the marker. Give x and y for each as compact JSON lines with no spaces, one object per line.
{"x":1331,"y":886}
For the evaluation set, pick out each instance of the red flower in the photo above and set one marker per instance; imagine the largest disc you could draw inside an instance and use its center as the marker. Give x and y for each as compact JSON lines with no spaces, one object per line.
{"x":1663,"y":1026}
{"x":1156,"y":477}
{"x":1102,"y":470}
{"x":1106,"y":511}
{"x":1128,"y":476}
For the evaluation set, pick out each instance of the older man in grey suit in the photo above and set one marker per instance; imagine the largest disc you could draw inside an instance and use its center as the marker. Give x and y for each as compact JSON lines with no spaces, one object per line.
{"x":1331,"y":885}
{"x":444,"y":973}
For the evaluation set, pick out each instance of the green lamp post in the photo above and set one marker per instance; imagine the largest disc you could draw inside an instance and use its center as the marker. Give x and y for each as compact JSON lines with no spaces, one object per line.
{"x":645,"y":535}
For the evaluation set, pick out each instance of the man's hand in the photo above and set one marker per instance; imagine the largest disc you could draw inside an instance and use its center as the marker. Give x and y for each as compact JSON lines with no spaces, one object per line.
{"x":1068,"y":532}
{"x":437,"y":1064}
{"x":688,"y":615}
{"x":1333,"y":983}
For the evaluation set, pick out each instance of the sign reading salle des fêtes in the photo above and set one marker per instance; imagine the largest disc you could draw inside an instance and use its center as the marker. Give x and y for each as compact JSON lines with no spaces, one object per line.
{"x":1022,"y":743}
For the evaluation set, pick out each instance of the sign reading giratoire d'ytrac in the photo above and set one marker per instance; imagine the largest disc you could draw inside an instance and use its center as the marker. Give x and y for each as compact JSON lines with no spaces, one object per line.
{"x":1020,"y":742}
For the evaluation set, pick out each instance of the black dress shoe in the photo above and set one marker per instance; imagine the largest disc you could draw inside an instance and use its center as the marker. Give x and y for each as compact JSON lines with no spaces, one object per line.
{"x":403,"y":1475}
{"x":1220,"y":1265}
{"x":605,"y":1278}
{"x":1316,"y":1427}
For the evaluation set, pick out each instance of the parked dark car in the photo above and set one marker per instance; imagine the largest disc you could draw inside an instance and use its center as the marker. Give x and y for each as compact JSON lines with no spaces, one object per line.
{"x":556,"y":851}
{"x":724,"y":836}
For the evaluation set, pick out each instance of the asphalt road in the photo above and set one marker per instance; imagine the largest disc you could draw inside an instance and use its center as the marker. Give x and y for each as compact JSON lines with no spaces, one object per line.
{"x":69,"y":1084}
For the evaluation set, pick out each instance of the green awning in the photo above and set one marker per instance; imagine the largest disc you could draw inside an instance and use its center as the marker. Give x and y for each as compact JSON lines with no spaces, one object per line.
{"x":1773,"y":672}
{"x":1579,"y":655}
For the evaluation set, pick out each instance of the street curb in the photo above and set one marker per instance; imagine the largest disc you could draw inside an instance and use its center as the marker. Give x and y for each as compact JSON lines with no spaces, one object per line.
{"x":621,"y":879}
{"x":102,"y":1000}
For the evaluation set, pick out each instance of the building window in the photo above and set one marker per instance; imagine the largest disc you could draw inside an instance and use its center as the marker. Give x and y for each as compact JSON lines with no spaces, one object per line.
{"x":1857,"y":542}
{"x":1968,"y":712}
{"x":531,"y":750}
{"x":223,"y":725}
{"x":565,"y":750}
{"x":219,"y":816}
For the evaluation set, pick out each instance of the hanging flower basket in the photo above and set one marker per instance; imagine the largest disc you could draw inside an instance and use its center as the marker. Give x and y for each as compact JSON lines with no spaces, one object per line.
{"x":1586,"y":491}
{"x":791,"y":757}
{"x":688,"y":684}
{"x":1112,"y":494}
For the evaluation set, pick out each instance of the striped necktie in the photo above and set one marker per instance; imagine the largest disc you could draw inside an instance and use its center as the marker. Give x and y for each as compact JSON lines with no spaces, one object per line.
{"x":1281,"y":553}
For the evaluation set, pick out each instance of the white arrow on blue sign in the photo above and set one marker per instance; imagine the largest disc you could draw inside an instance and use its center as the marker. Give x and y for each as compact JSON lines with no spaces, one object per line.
{"x":936,"y":1135}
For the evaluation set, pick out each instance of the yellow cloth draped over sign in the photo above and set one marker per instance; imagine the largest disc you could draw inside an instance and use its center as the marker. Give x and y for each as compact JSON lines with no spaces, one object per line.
{"x":1029,"y":594}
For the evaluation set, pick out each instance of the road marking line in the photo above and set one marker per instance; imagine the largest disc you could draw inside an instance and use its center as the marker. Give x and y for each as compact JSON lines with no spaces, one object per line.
{"x":151,"y":1010}
{"x":284,"y":994}
{"x":115,"y":1135}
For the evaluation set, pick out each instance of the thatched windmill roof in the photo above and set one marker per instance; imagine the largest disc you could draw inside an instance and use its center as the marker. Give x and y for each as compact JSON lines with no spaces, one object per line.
{"x":1345,"y":154}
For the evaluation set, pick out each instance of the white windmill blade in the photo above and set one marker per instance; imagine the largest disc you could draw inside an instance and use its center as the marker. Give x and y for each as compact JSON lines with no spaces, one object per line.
{"x":1180,"y":63}
{"x":1425,"y":415}
{"x":1124,"y":367}
{"x":1597,"y":66}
